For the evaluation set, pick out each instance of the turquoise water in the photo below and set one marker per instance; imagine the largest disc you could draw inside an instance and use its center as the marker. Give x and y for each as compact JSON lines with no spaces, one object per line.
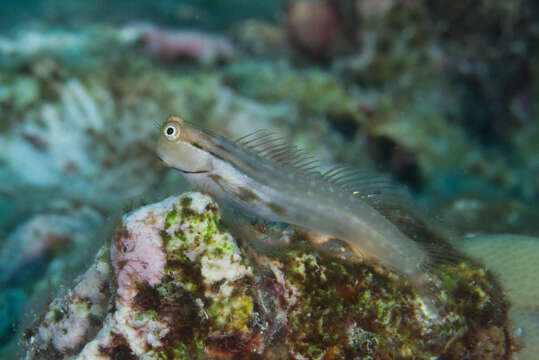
{"x":442,"y":97}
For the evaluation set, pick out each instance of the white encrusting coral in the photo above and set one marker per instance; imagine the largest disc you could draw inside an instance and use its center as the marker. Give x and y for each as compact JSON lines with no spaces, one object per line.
{"x":70,"y":320}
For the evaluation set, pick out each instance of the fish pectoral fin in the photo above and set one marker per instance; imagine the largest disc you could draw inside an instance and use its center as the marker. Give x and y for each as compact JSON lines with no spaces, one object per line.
{"x":313,"y":236}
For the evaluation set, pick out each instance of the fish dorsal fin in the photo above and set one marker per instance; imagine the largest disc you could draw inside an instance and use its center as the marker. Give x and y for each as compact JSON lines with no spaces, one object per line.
{"x":374,"y":188}
{"x":391,"y":200}
{"x":270,"y":146}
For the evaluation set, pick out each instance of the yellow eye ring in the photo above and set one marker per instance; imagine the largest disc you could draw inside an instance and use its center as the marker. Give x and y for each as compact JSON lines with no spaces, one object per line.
{"x":172,"y":131}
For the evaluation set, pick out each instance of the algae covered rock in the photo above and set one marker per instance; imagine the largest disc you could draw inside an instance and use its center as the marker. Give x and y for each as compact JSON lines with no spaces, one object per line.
{"x":183,"y":287}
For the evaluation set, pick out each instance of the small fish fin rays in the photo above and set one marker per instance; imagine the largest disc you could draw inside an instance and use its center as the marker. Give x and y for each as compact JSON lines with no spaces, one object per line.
{"x":371,"y":187}
{"x":272,"y":147}
{"x":394,"y":202}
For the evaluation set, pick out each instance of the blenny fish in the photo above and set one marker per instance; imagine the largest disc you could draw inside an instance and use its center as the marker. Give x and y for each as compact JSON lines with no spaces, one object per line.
{"x":266,"y":177}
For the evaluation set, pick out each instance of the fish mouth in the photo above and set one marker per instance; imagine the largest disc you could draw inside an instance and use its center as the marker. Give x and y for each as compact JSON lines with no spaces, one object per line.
{"x":192,"y":172}
{"x":160,"y":158}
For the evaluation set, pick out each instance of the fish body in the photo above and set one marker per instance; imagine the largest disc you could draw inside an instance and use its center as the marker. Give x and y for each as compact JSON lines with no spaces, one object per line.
{"x":275,"y":190}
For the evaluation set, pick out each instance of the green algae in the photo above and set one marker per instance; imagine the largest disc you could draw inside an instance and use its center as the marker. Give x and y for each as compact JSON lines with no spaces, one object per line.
{"x":150,"y":314}
{"x":197,"y":305}
{"x":232,"y":314}
{"x":171,"y":218}
{"x":186,"y":202}
{"x":334,"y":294}
{"x":339,"y":300}
{"x":189,"y":351}
{"x":58,"y":314}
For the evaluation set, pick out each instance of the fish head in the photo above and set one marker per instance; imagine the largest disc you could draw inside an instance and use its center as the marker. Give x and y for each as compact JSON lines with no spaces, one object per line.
{"x":179,"y":146}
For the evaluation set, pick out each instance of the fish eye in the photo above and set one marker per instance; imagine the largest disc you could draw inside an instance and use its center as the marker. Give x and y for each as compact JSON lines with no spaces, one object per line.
{"x":172,"y":131}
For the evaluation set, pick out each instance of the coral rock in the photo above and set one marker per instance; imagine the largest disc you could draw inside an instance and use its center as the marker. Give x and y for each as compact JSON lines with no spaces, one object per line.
{"x":187,"y":289}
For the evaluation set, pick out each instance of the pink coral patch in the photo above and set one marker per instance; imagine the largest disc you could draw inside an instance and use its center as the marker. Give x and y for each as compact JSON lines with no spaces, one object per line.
{"x":137,"y":252}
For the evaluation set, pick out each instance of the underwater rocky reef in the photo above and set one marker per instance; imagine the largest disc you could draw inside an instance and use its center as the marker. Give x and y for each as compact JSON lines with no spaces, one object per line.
{"x":179,"y":285}
{"x":443,"y":96}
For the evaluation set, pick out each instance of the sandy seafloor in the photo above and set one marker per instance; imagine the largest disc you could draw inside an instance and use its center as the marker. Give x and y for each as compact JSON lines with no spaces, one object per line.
{"x":441,"y":96}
